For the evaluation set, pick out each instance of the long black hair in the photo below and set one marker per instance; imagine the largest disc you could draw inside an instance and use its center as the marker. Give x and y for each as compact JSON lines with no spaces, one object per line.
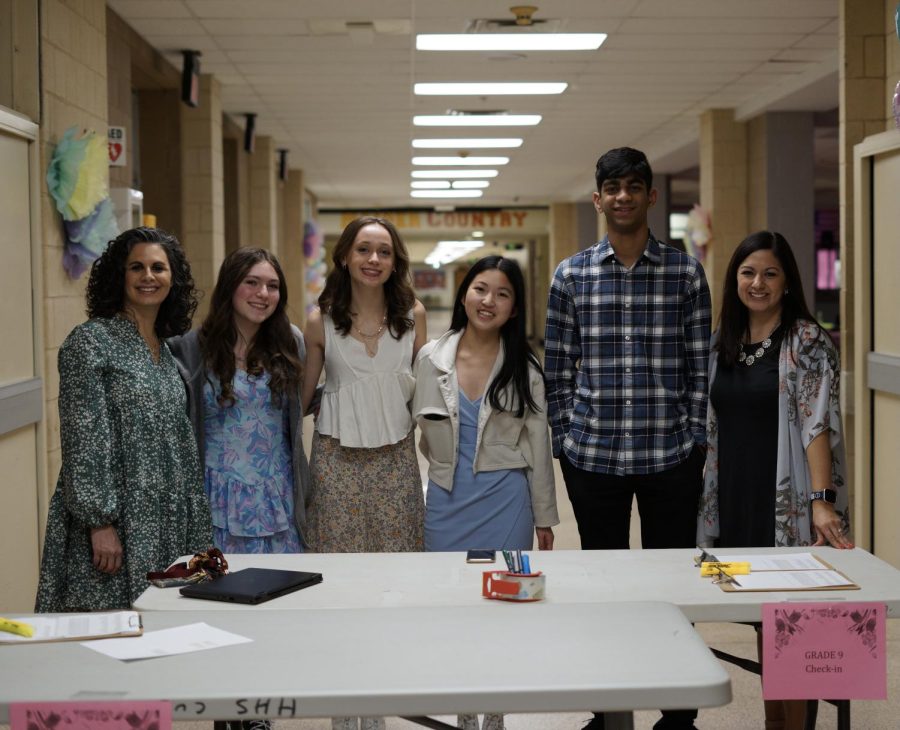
{"x":273,"y":349}
{"x":734,"y":320}
{"x":106,"y":285}
{"x":517,"y":352}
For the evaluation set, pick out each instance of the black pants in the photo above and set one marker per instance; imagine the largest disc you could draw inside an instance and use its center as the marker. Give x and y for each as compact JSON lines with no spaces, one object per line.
{"x":667,"y":502}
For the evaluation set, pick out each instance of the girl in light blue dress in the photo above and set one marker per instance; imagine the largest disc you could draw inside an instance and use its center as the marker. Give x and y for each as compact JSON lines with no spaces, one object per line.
{"x":243,"y":369}
{"x":480,"y":405}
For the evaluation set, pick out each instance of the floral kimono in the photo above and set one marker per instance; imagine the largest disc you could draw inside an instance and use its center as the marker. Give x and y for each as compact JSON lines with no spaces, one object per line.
{"x":808,"y":390}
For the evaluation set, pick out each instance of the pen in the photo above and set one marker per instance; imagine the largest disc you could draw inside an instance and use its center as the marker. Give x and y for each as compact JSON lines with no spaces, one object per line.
{"x":507,"y":556}
{"x":16,"y":627}
{"x":526,"y":564}
{"x":518,"y":561}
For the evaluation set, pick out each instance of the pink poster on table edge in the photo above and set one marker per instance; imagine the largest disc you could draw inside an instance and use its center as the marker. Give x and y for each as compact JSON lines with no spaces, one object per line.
{"x":90,"y":715}
{"x":834,"y":651}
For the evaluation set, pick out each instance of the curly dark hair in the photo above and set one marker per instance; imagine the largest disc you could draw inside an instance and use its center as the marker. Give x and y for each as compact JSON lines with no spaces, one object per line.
{"x":398,"y":292}
{"x":273,"y":349}
{"x":106,"y":285}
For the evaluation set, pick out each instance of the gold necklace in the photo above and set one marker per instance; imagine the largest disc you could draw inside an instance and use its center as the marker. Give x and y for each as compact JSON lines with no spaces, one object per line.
{"x":370,"y":341}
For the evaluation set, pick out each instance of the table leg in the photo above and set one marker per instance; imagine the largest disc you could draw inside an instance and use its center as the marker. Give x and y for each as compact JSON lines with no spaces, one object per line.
{"x":619,"y":720}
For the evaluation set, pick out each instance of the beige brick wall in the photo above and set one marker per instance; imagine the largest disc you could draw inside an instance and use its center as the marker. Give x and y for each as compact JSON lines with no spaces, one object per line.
{"x":203,"y":214}
{"x":263,"y":198}
{"x":723,"y":190}
{"x":886,"y":55}
{"x":118,"y":91}
{"x":73,"y":93}
{"x":864,"y":106}
{"x":292,"y":259}
{"x":757,"y":173}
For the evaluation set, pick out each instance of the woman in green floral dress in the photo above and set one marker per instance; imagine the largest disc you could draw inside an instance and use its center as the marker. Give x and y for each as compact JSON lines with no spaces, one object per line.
{"x":130,"y":496}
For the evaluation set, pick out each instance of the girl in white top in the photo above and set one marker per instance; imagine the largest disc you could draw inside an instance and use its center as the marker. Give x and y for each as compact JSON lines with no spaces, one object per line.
{"x":366,"y":489}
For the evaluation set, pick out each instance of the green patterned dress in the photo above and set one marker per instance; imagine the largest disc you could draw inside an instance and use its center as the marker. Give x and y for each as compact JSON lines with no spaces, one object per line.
{"x":129,"y":459}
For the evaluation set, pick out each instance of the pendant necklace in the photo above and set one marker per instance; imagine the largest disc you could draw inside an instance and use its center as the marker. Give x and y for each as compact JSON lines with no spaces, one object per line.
{"x":370,"y":341}
{"x":748,"y":360}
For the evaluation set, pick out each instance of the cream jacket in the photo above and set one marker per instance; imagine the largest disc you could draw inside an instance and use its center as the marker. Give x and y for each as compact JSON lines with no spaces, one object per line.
{"x":503,"y":441}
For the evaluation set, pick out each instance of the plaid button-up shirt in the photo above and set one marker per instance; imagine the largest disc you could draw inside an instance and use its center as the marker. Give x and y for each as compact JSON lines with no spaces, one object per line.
{"x":626,"y":359}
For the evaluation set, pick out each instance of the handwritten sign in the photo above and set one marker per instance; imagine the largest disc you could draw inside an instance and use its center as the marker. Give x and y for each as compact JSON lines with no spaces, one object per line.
{"x":91,"y":716}
{"x":834,"y":651}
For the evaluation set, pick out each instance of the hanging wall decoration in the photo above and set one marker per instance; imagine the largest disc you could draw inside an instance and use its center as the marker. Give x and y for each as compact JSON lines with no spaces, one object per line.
{"x":314,"y":252}
{"x":78,"y":183}
{"x":698,"y":232}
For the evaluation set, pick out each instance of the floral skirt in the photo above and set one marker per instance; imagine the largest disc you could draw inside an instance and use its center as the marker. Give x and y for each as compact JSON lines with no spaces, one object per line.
{"x":365,"y":500}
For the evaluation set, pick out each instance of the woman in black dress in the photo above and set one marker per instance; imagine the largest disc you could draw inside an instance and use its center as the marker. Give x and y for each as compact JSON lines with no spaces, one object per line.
{"x":775,"y":458}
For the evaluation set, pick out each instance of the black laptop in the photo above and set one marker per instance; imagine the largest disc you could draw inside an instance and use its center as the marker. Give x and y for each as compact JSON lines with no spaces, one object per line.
{"x":252,"y":585}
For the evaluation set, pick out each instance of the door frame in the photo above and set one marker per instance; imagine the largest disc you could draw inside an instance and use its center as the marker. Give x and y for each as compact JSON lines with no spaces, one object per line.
{"x":29,"y":394}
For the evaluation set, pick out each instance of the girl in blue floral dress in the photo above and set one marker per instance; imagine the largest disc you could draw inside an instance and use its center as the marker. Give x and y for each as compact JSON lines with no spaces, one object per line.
{"x":243,"y":369}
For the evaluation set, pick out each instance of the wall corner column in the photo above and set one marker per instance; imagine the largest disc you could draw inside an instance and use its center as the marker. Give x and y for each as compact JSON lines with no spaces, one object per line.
{"x":203,"y":211}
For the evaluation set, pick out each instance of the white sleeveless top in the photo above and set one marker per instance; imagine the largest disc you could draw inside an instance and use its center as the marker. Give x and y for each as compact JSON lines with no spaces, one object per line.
{"x":365,"y":403}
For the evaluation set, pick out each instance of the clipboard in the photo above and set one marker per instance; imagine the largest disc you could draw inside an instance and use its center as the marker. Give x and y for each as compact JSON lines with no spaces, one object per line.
{"x":778,"y":584}
{"x":77,"y":627}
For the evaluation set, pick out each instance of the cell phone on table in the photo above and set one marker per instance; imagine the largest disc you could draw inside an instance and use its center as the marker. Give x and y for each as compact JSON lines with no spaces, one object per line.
{"x":481,"y":556}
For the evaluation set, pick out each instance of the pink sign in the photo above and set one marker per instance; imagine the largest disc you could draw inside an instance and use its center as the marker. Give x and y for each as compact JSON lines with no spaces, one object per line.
{"x":91,"y":716}
{"x":833,"y":651}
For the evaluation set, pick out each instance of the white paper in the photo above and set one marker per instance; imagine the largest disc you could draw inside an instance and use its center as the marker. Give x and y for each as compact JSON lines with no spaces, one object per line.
{"x":787,"y":580}
{"x":789,"y":561}
{"x":75,"y":626}
{"x":178,"y":640}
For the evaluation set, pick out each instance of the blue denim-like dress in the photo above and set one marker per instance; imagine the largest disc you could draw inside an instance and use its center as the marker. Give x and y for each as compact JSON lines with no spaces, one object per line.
{"x":489,"y":510}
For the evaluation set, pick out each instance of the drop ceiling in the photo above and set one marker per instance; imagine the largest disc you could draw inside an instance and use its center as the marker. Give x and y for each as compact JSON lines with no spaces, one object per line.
{"x":332,"y":81}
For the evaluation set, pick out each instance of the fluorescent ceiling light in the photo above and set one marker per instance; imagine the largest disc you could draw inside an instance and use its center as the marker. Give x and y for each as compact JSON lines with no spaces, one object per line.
{"x":489,"y":89}
{"x":460,"y":160}
{"x":444,"y":174}
{"x":446,"y":251}
{"x":467,"y":143}
{"x":509,"y":41}
{"x":477,"y":234}
{"x":470,"y":184}
{"x":430,"y":184}
{"x":445,"y":193}
{"x":477,"y":120}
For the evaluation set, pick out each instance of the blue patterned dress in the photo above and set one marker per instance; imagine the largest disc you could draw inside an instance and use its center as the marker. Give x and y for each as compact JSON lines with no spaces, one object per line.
{"x":248,"y":473}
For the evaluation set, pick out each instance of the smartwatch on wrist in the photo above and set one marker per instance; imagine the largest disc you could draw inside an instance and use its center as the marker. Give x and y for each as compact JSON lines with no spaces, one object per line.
{"x":829,"y":495}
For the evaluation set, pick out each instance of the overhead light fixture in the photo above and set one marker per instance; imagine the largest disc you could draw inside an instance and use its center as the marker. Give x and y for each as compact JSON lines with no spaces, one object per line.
{"x":460,"y":160}
{"x":470,"y":184}
{"x":450,"y":174}
{"x":445,"y":193}
{"x":477,"y":120}
{"x":467,"y":143}
{"x":509,"y":41}
{"x":430,"y":184}
{"x":446,"y":251}
{"x":489,"y":89}
{"x":477,"y":234}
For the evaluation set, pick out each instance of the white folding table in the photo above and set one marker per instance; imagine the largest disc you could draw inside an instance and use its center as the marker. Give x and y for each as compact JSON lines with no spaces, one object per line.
{"x":404,"y":660}
{"x":383,"y":580}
